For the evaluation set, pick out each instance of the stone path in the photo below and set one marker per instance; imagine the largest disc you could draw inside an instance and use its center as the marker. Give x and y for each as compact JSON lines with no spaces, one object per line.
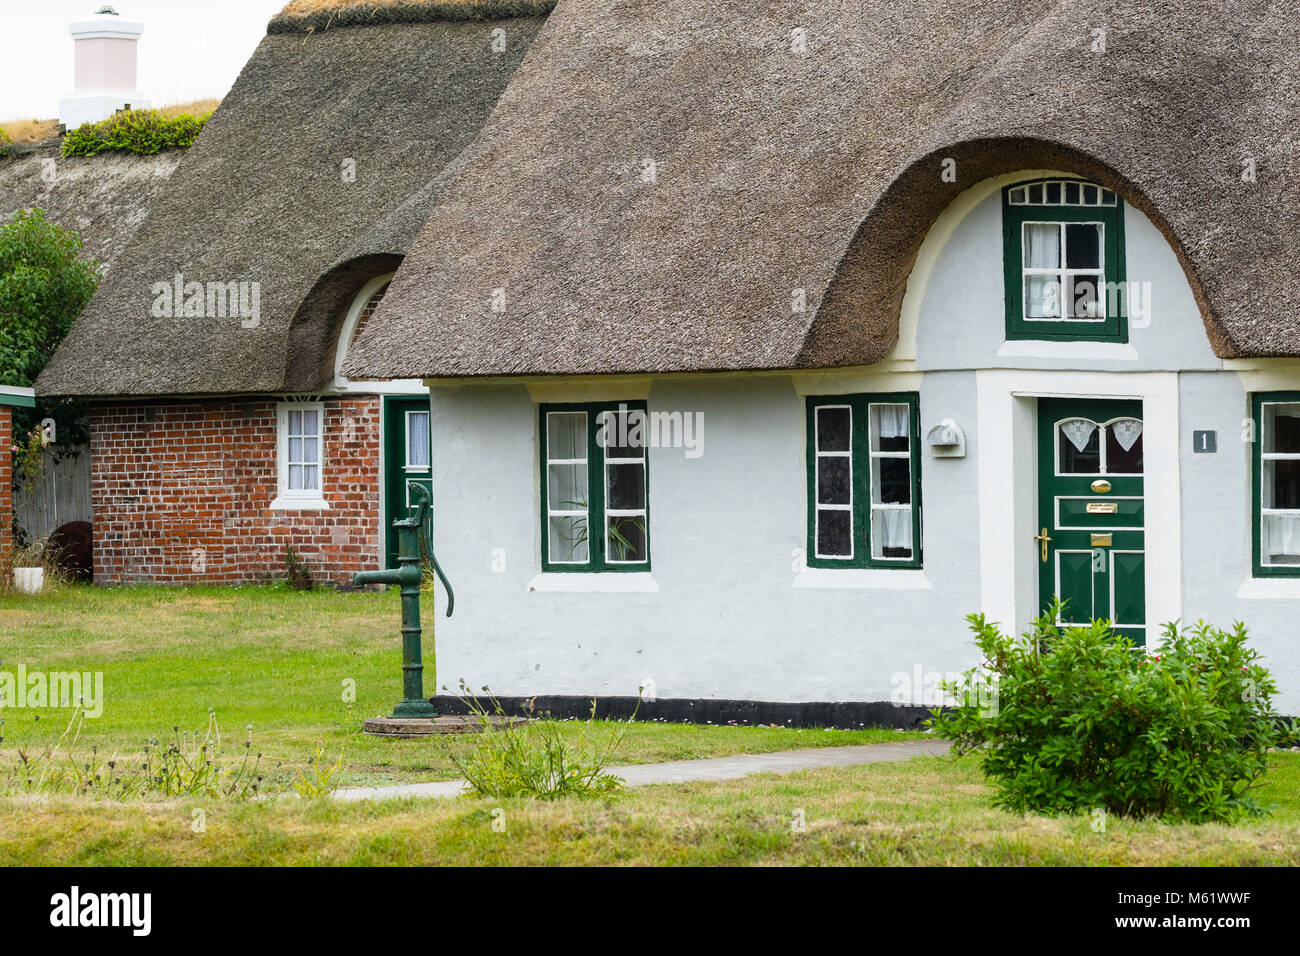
{"x":685,"y":771}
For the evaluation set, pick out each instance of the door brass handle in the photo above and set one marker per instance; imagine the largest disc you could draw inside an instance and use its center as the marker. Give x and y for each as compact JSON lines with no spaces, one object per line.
{"x":1044,"y":537}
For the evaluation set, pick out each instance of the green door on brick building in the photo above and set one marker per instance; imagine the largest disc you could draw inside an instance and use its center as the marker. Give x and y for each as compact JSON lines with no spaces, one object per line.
{"x":1091,"y":540}
{"x":407,"y":457}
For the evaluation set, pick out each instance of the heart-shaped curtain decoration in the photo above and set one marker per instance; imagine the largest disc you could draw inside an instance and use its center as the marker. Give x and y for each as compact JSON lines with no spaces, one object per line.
{"x":1079,"y":431}
{"x":1126,"y":432}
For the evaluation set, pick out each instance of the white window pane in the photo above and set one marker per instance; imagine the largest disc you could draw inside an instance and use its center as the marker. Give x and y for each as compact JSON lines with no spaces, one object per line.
{"x":625,"y":487}
{"x":1042,"y":297}
{"x":834,"y":533}
{"x":567,"y":539}
{"x":311,"y":450}
{"x":310,"y":422}
{"x":295,"y":449}
{"x":566,"y":435}
{"x":1281,"y":484}
{"x":295,"y":478}
{"x":1042,"y":245}
{"x":625,"y":539}
{"x":1279,"y":540}
{"x":834,"y":480}
{"x":889,"y":427}
{"x":311,"y":477}
{"x":891,"y":481}
{"x":417,"y":439}
{"x":834,"y":425}
{"x":295,"y":422}
{"x":566,"y":487}
{"x":891,"y":533}
{"x":1282,"y":429}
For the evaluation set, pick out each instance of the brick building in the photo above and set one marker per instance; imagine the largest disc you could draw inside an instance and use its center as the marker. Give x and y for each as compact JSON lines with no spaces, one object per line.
{"x":222,"y":431}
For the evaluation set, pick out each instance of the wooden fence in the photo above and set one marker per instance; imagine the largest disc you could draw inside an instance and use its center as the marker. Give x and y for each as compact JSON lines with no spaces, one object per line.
{"x":62,"y":496}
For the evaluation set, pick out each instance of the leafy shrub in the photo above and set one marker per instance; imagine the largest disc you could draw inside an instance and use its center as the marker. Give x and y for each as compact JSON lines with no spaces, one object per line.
{"x":134,"y":131}
{"x":1081,"y":720}
{"x":536,"y":759}
{"x":5,"y":141}
{"x":297,"y":573}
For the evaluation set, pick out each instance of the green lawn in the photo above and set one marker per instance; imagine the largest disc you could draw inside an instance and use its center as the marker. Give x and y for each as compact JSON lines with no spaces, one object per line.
{"x":276,"y":661}
{"x":926,"y":811}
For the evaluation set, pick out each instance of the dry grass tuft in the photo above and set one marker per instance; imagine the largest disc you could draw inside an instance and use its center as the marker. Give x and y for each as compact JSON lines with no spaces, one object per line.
{"x":30,"y":130}
{"x":194,"y":108}
{"x":302,"y":8}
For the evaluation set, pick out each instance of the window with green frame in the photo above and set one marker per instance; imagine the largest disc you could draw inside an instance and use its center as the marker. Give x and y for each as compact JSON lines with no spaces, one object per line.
{"x":1275,"y":484}
{"x":594,"y":476}
{"x":864,"y":481}
{"x":1063,"y":260}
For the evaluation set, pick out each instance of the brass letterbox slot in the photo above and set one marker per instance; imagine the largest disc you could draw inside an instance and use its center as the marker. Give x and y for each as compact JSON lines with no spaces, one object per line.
{"x":1101,"y":541}
{"x":1103,"y":507}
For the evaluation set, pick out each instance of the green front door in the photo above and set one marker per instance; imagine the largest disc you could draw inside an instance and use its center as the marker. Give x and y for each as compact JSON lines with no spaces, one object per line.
{"x":407,"y":457}
{"x":1091,"y":543}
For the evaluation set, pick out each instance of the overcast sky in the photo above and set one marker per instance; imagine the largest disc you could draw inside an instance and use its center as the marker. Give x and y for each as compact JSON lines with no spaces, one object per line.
{"x":190,"y":49}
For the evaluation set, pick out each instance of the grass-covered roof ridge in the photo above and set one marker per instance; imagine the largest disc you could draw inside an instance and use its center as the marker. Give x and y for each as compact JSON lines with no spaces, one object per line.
{"x":310,"y":16}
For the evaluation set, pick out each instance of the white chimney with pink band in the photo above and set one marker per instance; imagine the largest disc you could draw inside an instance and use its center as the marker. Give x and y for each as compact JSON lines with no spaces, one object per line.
{"x":105,"y":79}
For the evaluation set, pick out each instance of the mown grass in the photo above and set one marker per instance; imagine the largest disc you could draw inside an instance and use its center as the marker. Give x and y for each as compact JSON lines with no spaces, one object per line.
{"x":933,"y":811}
{"x":275,"y":664}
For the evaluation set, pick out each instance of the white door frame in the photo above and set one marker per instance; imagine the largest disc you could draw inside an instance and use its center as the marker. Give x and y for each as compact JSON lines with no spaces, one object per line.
{"x":1006,"y":446}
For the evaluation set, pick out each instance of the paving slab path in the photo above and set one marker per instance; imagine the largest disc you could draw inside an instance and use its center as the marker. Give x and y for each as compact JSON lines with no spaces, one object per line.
{"x":686,"y":771}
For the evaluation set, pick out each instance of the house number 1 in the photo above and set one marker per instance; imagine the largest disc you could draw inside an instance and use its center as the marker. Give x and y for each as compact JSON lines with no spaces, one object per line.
{"x":1204,"y":442}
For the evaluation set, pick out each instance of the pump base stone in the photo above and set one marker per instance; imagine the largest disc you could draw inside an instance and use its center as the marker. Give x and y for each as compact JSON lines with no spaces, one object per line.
{"x":426,"y":726}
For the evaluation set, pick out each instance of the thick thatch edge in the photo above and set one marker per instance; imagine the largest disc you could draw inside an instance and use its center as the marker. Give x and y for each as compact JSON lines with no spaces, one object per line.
{"x":870,"y":281}
{"x":369,"y":14}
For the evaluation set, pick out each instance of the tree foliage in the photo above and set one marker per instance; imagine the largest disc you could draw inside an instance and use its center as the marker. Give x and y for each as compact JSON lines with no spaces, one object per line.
{"x":43,"y":287}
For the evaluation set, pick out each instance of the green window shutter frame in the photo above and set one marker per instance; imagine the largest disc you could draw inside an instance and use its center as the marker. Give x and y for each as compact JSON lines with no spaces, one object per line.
{"x":597,"y":560}
{"x":859,"y":445}
{"x":1115,"y":328}
{"x":1260,"y":569}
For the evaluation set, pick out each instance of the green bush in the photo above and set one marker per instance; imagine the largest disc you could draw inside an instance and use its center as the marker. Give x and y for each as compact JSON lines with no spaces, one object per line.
{"x":134,"y":131}
{"x":5,"y":142}
{"x":1080,"y":720}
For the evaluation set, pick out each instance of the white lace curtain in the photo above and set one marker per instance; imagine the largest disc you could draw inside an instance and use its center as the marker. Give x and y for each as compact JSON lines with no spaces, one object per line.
{"x":892,"y":420}
{"x":1079,"y":432}
{"x":893,"y":528}
{"x":1280,"y":539}
{"x":1126,"y":432}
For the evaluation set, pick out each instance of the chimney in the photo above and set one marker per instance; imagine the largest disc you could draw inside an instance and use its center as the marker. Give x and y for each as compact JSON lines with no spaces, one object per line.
{"x":105,"y":80}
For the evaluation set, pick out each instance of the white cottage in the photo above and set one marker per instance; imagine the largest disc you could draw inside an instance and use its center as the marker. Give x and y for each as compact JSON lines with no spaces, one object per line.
{"x":912,"y":330}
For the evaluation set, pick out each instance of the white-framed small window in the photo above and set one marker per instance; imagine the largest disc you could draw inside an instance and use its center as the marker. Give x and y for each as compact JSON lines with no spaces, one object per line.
{"x":417,"y":441}
{"x":301,"y":440}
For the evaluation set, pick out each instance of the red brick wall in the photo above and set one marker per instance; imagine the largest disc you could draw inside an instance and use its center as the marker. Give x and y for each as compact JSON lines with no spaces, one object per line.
{"x":182,"y":490}
{"x":6,"y":487}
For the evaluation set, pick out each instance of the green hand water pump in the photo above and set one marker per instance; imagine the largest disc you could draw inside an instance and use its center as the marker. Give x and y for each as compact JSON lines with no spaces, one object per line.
{"x":414,"y":543}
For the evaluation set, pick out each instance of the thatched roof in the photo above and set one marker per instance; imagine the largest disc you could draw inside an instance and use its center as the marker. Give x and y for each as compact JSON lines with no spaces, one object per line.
{"x":102,"y":198}
{"x":261,"y":197}
{"x":779,"y":170}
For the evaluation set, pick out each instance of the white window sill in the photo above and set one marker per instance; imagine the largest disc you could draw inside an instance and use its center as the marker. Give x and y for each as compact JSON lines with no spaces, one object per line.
{"x":1270,"y":589}
{"x":882,"y":579}
{"x":289,"y":503}
{"x":1095,"y":351}
{"x":597,"y":581}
